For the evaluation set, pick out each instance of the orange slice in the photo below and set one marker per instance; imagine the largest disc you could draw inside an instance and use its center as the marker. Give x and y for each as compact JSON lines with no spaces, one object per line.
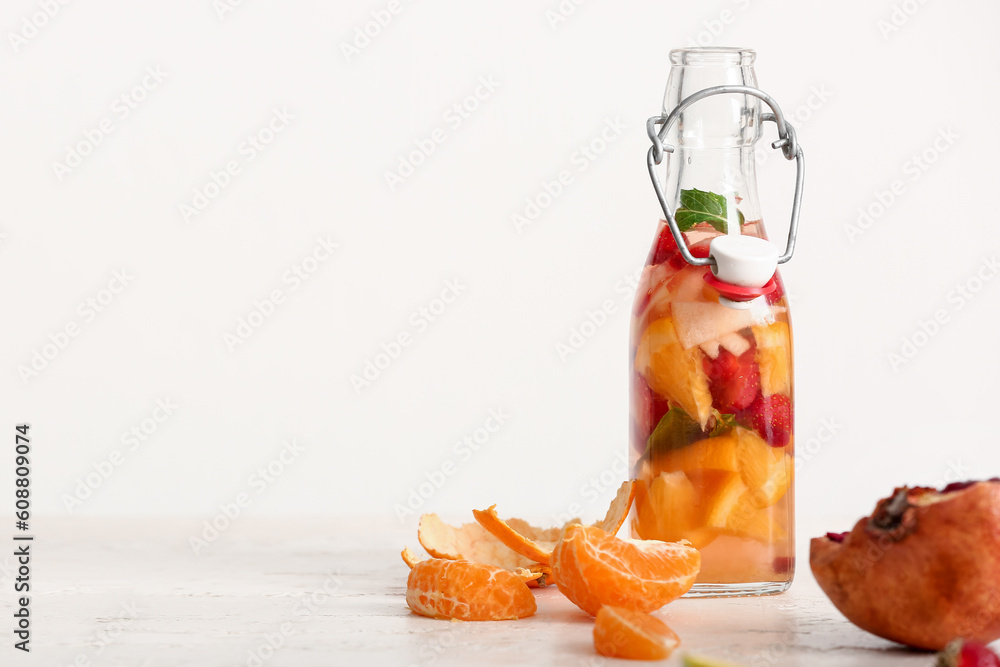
{"x":718,"y":453}
{"x":757,"y":460}
{"x":537,"y":543}
{"x":774,"y":354}
{"x":672,"y":371}
{"x":733,"y":512}
{"x":671,"y":509}
{"x":766,"y":471}
{"x":593,"y":569}
{"x":775,"y":486}
{"x":624,"y":633}
{"x":467,"y":591}
{"x":674,"y":501}
{"x":725,"y":502}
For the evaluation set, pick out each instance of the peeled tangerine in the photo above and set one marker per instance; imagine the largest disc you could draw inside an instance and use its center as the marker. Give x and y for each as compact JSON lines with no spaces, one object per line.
{"x":511,"y":544}
{"x":467,"y":591}
{"x":923,"y":569}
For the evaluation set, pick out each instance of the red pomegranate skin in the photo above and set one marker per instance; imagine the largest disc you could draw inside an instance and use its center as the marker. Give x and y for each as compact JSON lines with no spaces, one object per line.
{"x":922,"y":571}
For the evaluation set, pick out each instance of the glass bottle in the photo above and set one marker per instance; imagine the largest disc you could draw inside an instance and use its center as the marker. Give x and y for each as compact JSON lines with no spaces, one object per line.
{"x":712,"y":396}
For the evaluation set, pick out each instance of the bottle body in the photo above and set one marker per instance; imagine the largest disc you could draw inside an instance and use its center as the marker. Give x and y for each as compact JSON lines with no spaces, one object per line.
{"x":712,"y":400}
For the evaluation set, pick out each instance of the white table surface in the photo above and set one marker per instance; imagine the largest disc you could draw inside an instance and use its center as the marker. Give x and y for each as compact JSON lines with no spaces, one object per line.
{"x":217,"y":607}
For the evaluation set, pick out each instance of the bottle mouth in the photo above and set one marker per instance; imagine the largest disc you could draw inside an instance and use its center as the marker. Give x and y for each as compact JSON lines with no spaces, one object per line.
{"x":713,"y":55}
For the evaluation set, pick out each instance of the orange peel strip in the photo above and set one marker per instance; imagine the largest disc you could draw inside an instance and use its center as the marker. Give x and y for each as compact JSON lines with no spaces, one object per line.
{"x":619,"y":508}
{"x":537,"y":543}
{"x":409,"y":557}
{"x":469,"y":541}
{"x":538,"y":551}
{"x":528,"y":576}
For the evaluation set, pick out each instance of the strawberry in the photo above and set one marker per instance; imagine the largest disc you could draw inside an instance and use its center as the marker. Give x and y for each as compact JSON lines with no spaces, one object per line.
{"x":700,"y":249}
{"x":772,"y":418}
{"x":677,"y":261}
{"x":961,"y":653}
{"x":666,"y":250}
{"x":734,"y":381}
{"x":649,"y":410}
{"x":779,"y":291}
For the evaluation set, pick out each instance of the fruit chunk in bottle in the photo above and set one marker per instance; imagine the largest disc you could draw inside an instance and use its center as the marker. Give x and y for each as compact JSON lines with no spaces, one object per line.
{"x":712,"y":411}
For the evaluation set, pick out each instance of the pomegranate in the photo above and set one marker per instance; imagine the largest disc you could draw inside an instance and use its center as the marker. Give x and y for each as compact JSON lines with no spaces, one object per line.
{"x":923,"y":569}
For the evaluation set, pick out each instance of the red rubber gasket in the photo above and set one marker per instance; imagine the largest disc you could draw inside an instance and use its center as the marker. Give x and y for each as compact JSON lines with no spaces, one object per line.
{"x":737,"y":292}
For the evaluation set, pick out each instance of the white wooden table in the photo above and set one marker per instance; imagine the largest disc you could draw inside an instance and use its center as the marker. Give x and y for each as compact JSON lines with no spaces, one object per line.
{"x":331,"y":592}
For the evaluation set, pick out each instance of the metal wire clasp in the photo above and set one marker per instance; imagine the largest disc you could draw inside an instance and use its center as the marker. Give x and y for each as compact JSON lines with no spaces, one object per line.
{"x":786,"y":142}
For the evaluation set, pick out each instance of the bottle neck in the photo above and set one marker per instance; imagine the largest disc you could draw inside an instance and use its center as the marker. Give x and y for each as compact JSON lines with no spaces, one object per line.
{"x":714,"y":139}
{"x":730,"y":172}
{"x":720,"y":121}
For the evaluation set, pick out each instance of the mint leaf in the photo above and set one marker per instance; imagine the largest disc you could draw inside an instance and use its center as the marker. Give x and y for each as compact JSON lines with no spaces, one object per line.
{"x":676,"y":429}
{"x":701,"y":206}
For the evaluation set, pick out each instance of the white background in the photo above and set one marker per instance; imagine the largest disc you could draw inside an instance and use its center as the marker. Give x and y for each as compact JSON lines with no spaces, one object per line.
{"x":886,"y":97}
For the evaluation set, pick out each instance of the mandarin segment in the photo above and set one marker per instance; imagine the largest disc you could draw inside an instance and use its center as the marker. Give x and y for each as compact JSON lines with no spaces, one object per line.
{"x":467,"y":591}
{"x":593,"y":568}
{"x":623,"y":633}
{"x":672,"y":371}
